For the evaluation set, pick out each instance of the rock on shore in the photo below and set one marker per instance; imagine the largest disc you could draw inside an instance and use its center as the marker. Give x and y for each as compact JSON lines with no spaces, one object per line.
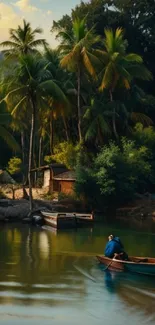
{"x":18,"y":210}
{"x":15,"y":210}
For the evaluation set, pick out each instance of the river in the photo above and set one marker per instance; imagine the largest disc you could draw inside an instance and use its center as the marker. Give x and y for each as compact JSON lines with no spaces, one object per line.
{"x":54,"y":278}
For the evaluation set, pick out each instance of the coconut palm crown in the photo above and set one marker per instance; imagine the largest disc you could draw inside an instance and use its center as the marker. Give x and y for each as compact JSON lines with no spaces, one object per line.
{"x":23,"y":40}
{"x":77,"y":56}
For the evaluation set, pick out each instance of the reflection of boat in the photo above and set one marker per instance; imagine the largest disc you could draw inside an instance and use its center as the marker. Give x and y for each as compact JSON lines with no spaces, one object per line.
{"x":59,"y":220}
{"x":141,"y":265}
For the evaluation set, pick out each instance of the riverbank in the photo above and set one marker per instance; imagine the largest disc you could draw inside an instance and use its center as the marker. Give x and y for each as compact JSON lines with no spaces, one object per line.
{"x":142,"y":209}
{"x":19,"y":210}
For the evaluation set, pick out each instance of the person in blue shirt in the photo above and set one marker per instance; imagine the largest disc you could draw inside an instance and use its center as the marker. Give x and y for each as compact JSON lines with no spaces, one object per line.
{"x":114,"y":248}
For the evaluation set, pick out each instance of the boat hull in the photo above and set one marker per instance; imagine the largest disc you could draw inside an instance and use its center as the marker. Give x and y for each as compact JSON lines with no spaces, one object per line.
{"x":59,"y":220}
{"x":84,"y":219}
{"x":138,"y":265}
{"x":67,"y":220}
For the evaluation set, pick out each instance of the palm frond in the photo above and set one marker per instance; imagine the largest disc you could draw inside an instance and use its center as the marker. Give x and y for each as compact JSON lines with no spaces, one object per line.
{"x":132,"y":57}
{"x":65,"y":37}
{"x":142,"y":118}
{"x":69,"y":61}
{"x":15,"y":109}
{"x":79,"y":28}
{"x":51,"y":88}
{"x":38,"y":42}
{"x":91,"y":132}
{"x":114,"y":41}
{"x":103,"y":56}
{"x":10,"y":44}
{"x":37,"y":30}
{"x":107,"y":77}
{"x":14,"y":91}
{"x":90,"y":62}
{"x":126,"y":83}
{"x":9,"y":139}
{"x":139,"y":71}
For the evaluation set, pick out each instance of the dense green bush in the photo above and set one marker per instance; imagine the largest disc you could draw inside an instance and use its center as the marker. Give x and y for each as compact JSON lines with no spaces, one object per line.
{"x":116,"y":174}
{"x":64,"y":153}
{"x":121,"y":172}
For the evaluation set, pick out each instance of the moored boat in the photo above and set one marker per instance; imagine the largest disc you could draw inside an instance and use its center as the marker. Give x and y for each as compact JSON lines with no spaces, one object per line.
{"x":59,"y":220}
{"x":84,"y":219}
{"x":140,"y":265}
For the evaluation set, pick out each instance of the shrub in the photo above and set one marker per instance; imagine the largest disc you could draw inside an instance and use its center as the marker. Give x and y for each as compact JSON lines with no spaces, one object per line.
{"x":121,"y":172}
{"x":15,"y":165}
{"x":64,"y":153}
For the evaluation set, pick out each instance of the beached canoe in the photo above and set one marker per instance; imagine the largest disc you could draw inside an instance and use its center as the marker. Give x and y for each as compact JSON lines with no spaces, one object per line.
{"x":141,"y":265}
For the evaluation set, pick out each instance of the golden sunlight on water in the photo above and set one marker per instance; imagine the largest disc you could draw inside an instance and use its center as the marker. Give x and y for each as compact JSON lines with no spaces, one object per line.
{"x":53,"y":278}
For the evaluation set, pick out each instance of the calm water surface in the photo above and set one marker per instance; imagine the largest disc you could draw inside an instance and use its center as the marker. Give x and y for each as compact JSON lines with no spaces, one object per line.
{"x":53,"y":278}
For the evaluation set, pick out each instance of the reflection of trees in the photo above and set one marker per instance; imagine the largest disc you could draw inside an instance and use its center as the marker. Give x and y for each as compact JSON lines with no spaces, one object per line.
{"x":40,"y":264}
{"x":40,"y":274}
{"x":140,"y":296}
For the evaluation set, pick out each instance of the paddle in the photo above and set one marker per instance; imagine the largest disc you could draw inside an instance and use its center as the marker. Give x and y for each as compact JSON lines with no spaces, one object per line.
{"x":106,"y":268}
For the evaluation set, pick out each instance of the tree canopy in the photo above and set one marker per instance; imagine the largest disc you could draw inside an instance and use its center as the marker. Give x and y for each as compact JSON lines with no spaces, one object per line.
{"x":89,"y":103}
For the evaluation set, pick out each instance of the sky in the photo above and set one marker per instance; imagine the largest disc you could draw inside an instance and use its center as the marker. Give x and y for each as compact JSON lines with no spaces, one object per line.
{"x":40,"y":13}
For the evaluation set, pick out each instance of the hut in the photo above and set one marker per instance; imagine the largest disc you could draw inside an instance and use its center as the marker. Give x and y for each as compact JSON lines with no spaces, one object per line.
{"x":49,"y":176}
{"x":65,"y":182}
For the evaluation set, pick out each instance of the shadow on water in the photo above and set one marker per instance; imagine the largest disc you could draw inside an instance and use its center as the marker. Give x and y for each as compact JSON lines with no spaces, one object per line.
{"x":137,"y":292}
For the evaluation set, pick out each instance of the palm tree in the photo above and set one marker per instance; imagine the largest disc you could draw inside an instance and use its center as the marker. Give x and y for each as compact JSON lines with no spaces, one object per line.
{"x":76,"y":49}
{"x":5,"y":134}
{"x":27,"y":85}
{"x":5,"y":122}
{"x":56,"y":109}
{"x":98,"y":115}
{"x":119,"y":68}
{"x":23,"y":40}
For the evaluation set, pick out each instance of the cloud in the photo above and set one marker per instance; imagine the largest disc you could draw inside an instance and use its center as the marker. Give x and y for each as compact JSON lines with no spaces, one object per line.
{"x":8,"y":19}
{"x":25,"y":5}
{"x":49,"y":12}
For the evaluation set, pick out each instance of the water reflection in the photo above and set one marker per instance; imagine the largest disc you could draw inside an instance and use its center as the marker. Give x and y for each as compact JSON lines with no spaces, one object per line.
{"x":54,"y":276}
{"x":137,"y":292}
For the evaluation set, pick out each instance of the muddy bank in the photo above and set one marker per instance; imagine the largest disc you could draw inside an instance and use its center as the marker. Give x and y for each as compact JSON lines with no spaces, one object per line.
{"x":141,"y":211}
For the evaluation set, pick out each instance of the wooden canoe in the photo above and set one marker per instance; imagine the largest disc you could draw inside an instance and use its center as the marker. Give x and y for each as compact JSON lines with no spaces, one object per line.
{"x":62,"y":220}
{"x":140,"y":265}
{"x":59,"y":220}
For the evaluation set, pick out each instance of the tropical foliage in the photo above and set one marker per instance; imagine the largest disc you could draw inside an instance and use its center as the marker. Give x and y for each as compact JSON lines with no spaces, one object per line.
{"x":88,"y":104}
{"x":22,"y":40}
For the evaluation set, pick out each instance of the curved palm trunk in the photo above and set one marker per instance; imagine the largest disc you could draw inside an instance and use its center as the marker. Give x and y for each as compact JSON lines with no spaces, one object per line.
{"x":51,"y":133}
{"x":66,"y":128}
{"x":79,"y":104}
{"x":23,"y":154}
{"x":32,"y":133}
{"x":113,"y":117}
{"x":40,"y":151}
